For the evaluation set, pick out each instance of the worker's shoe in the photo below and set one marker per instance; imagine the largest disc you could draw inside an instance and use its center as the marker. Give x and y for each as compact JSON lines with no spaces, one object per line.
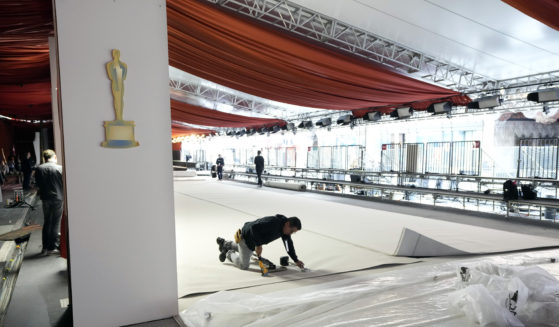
{"x":223,"y":255}
{"x":221,"y":243}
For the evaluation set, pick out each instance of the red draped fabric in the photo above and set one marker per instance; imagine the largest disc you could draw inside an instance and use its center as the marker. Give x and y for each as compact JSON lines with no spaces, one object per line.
{"x":180,"y":130}
{"x":26,"y":101}
{"x":24,"y":58}
{"x":257,"y":59}
{"x":191,"y":114}
{"x":545,"y":11}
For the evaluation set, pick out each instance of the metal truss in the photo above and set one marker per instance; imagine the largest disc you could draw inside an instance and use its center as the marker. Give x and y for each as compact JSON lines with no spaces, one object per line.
{"x":245,"y":103}
{"x":318,"y":27}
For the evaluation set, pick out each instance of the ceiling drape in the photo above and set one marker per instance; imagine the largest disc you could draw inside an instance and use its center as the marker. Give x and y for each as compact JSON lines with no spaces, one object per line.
{"x":26,"y":101}
{"x":25,"y":26}
{"x":191,"y":114}
{"x":180,"y":130}
{"x":545,"y":11}
{"x":251,"y":57}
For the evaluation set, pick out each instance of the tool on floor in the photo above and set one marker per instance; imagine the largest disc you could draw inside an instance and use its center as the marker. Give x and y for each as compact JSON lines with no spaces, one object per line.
{"x":263,"y":268}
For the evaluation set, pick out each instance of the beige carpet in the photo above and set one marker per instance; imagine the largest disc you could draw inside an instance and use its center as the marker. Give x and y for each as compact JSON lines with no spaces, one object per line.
{"x":335,"y":237}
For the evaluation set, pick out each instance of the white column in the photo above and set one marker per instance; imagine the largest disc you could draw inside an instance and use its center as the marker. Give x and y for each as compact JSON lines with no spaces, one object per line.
{"x":56,"y":129}
{"x":120,"y":201}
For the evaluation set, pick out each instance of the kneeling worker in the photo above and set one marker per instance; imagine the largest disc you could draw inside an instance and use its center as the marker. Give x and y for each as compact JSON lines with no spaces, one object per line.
{"x":256,"y":233}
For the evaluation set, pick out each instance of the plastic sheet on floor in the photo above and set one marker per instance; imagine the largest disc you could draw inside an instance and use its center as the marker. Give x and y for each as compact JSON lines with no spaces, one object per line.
{"x":411,"y":296}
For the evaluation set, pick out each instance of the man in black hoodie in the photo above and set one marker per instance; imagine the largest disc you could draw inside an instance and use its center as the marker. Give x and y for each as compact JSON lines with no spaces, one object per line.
{"x":255,"y":234}
{"x":259,"y":163}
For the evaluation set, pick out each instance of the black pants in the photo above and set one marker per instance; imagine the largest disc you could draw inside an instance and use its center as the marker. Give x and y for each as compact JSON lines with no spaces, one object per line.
{"x":220,"y":172}
{"x":259,"y":174}
{"x":52,"y":211}
{"x":26,"y":180}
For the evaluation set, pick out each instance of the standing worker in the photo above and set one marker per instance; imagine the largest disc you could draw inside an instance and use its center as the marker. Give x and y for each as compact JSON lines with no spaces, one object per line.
{"x":259,"y":162}
{"x":255,"y":234}
{"x":220,"y":163}
{"x":49,"y":179}
{"x":27,"y":168}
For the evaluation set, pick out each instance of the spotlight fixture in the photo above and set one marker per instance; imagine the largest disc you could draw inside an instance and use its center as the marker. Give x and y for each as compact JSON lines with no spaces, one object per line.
{"x":263,"y":131}
{"x":306,"y":124}
{"x":544,"y":95}
{"x":251,"y":132}
{"x":440,"y":108}
{"x":345,"y":120}
{"x":545,"y":109}
{"x":486,"y":102}
{"x":373,"y":116}
{"x":402,"y":113}
{"x":288,"y":127}
{"x":324,"y":122}
{"x":275,"y":129}
{"x":241,"y":132}
{"x":230,"y":133}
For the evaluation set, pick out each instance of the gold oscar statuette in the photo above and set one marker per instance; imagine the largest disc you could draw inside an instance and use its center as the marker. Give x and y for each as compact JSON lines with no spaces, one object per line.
{"x":119,"y":133}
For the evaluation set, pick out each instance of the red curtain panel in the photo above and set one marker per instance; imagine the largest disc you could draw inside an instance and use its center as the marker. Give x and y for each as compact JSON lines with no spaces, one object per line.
{"x":252,"y":57}
{"x":188,"y":113}
{"x":180,"y":130}
{"x":545,"y":11}
{"x":25,"y":26}
{"x":26,"y":101}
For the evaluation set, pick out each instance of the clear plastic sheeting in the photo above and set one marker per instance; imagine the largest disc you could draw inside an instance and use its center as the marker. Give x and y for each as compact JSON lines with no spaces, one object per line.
{"x":416,"y":296}
{"x":502,"y":295}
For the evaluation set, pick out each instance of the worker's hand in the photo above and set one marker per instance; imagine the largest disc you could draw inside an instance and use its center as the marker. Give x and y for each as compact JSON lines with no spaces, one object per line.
{"x":300,"y":264}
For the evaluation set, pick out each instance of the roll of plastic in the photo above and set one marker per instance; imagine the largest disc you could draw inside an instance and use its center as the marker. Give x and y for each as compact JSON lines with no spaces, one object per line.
{"x":288,"y":186}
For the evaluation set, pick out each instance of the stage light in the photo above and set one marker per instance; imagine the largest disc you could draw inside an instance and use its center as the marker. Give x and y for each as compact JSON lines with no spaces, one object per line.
{"x":288,"y":127}
{"x":324,"y":122}
{"x":485,"y":102}
{"x":241,"y":132}
{"x":275,"y":129}
{"x":373,"y":116}
{"x":544,"y":95}
{"x":345,"y":120}
{"x":263,"y":131}
{"x":251,"y":132}
{"x":402,"y":113}
{"x":306,"y":124}
{"x":440,"y":108}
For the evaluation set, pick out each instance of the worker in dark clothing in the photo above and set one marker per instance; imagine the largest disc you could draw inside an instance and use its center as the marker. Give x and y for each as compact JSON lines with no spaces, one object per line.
{"x":27,"y":168}
{"x":220,"y":163}
{"x":49,"y":180}
{"x":259,"y":162}
{"x":255,"y":234}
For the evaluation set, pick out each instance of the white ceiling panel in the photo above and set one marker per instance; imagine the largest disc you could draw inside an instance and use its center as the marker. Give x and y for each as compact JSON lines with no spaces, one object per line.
{"x":485,"y":36}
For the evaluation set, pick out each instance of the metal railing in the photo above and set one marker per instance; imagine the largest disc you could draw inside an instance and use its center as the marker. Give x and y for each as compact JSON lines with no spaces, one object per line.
{"x":542,"y":210}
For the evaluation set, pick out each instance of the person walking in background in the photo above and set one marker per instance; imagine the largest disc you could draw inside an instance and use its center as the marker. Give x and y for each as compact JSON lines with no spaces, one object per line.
{"x":27,"y":168}
{"x":220,"y":163}
{"x":259,"y":163}
{"x":49,"y":180}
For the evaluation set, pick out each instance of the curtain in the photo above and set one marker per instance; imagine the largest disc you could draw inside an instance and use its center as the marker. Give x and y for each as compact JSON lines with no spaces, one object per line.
{"x":545,"y":11}
{"x":188,"y":113}
{"x":242,"y":54}
{"x":26,"y":101}
{"x":180,"y":130}
{"x":25,"y":26}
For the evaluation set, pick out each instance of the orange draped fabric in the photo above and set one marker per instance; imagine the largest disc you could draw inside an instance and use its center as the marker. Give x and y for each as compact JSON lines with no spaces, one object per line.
{"x":191,"y":114}
{"x":545,"y":11}
{"x":248,"y":56}
{"x":180,"y":130}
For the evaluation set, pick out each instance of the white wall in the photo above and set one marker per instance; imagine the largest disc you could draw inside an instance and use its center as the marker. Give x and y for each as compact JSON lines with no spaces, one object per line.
{"x":120,"y":202}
